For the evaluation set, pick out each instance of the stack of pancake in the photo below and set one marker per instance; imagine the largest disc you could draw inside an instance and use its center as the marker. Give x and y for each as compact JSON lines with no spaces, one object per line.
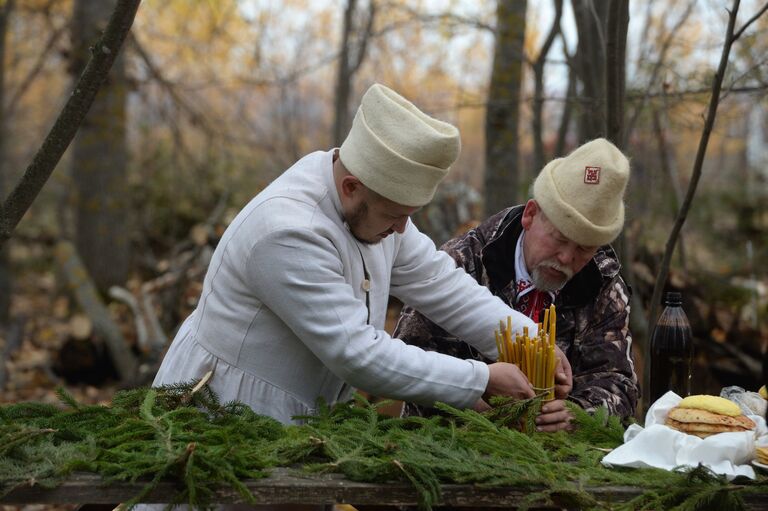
{"x":703,"y":416}
{"x":762,"y":455}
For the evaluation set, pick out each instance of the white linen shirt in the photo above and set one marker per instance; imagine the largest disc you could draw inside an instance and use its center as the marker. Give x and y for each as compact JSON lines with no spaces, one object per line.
{"x":282,"y":319}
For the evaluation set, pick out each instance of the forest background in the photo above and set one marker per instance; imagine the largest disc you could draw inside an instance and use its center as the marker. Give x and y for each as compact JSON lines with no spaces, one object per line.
{"x":209,"y":100}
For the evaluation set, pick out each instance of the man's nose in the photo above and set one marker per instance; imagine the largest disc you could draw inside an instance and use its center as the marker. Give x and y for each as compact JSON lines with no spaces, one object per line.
{"x":399,"y":226}
{"x":566,"y":255}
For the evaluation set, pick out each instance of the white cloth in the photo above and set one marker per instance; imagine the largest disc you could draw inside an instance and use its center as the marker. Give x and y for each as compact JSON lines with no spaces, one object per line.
{"x":660,"y":446}
{"x":282,"y":318}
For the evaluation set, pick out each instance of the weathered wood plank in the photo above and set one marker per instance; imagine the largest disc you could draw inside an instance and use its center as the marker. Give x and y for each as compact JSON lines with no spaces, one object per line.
{"x":290,"y":487}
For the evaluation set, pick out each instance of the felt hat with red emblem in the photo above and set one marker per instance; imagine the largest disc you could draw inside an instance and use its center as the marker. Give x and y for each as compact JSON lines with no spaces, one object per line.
{"x":582,"y":194}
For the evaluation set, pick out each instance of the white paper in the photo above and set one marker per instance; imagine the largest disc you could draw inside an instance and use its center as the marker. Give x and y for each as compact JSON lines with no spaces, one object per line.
{"x":660,"y":446}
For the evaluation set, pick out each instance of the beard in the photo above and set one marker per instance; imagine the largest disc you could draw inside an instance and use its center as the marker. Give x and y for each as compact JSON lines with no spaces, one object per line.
{"x":544,"y":282}
{"x":355,"y":219}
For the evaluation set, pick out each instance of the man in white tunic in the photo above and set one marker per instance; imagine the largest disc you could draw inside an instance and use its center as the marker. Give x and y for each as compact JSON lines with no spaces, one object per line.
{"x":294,"y":300}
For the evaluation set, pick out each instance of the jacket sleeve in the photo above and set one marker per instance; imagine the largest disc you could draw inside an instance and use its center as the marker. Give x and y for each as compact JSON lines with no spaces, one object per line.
{"x":601,"y":358}
{"x":298,"y":276}
{"x":430,"y":281}
{"x":416,"y":329}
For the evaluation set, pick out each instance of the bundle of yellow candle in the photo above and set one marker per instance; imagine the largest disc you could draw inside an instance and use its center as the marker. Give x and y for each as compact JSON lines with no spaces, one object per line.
{"x":534,"y":356}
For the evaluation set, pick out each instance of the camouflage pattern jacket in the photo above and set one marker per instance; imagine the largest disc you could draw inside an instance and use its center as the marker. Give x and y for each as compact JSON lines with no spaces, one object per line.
{"x":592,"y":316}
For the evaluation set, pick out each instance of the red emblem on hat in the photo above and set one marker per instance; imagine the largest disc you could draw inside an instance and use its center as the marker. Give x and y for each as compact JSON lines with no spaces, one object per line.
{"x":592,"y":175}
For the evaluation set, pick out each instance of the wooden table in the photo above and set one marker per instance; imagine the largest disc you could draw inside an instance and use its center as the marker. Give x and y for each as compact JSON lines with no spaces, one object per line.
{"x":285,"y":486}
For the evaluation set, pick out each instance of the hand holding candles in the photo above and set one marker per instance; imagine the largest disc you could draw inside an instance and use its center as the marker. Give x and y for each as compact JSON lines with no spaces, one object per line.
{"x":536,"y":357}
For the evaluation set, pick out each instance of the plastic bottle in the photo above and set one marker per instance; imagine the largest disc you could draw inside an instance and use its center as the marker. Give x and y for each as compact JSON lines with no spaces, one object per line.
{"x":671,"y":351}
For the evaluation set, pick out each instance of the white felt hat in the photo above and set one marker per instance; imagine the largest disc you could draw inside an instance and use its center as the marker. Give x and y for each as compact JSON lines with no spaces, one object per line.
{"x":582,"y":194}
{"x":397,"y":150}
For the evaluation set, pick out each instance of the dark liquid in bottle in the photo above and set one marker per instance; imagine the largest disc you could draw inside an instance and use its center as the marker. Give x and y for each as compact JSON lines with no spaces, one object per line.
{"x":671,"y":355}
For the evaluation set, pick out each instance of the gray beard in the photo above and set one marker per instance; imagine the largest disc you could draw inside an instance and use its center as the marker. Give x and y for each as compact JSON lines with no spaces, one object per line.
{"x":544,"y":283}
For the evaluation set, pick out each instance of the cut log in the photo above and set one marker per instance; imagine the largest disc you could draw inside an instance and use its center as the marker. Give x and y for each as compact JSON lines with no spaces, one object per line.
{"x":82,"y":288}
{"x":149,"y":334}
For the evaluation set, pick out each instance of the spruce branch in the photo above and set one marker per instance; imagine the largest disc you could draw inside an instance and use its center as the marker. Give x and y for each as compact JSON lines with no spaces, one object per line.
{"x":150,"y":435}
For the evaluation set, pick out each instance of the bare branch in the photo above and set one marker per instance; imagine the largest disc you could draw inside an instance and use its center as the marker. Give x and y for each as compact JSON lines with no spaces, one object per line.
{"x":103,"y":55}
{"x":667,"y":43}
{"x":418,"y":17}
{"x":714,"y":100}
{"x":694,"y":92}
{"x":196,"y":115}
{"x":363,"y":45}
{"x":750,"y":21}
{"x":34,"y":71}
{"x":570,"y":99}
{"x":415,"y":18}
{"x":645,"y":36}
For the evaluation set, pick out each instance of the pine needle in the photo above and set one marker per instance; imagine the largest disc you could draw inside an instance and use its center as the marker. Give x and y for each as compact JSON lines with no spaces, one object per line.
{"x":173,"y":434}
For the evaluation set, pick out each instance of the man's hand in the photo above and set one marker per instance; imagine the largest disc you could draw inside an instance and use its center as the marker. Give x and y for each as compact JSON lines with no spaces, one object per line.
{"x":507,"y":380}
{"x":481,"y":406}
{"x":554,"y":416}
{"x":563,"y":375}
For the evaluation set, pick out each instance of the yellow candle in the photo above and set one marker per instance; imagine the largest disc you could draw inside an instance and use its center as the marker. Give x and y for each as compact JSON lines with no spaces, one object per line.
{"x":553,"y":325}
{"x":538,"y":372}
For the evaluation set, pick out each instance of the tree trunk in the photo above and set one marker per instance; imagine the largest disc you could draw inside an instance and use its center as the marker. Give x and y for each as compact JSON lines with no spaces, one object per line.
{"x":615,"y":70}
{"x":591,"y":19}
{"x":99,"y":158}
{"x":615,"y":65}
{"x":343,"y":79}
{"x":69,"y":120}
{"x":504,"y":184}
{"x":6,"y":282}
{"x":354,"y":42}
{"x":537,"y":123}
{"x":570,"y":101}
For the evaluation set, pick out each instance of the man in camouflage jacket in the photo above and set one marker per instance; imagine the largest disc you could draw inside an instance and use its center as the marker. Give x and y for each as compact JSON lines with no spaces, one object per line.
{"x":592,"y":301}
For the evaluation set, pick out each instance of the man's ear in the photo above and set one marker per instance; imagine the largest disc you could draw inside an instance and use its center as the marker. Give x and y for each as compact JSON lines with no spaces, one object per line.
{"x":530,"y":211}
{"x":350,"y":186}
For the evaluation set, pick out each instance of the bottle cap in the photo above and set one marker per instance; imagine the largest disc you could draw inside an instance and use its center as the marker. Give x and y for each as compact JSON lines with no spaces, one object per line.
{"x":673,"y":298}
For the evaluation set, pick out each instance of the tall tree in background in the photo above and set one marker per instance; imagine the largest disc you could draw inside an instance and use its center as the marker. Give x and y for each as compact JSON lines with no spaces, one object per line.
{"x":615,"y":65}
{"x":355,"y":34}
{"x":538,"y":95}
{"x":590,"y":62}
{"x":99,"y":158}
{"x":503,"y":182}
{"x":5,"y":270}
{"x":617,"y":26}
